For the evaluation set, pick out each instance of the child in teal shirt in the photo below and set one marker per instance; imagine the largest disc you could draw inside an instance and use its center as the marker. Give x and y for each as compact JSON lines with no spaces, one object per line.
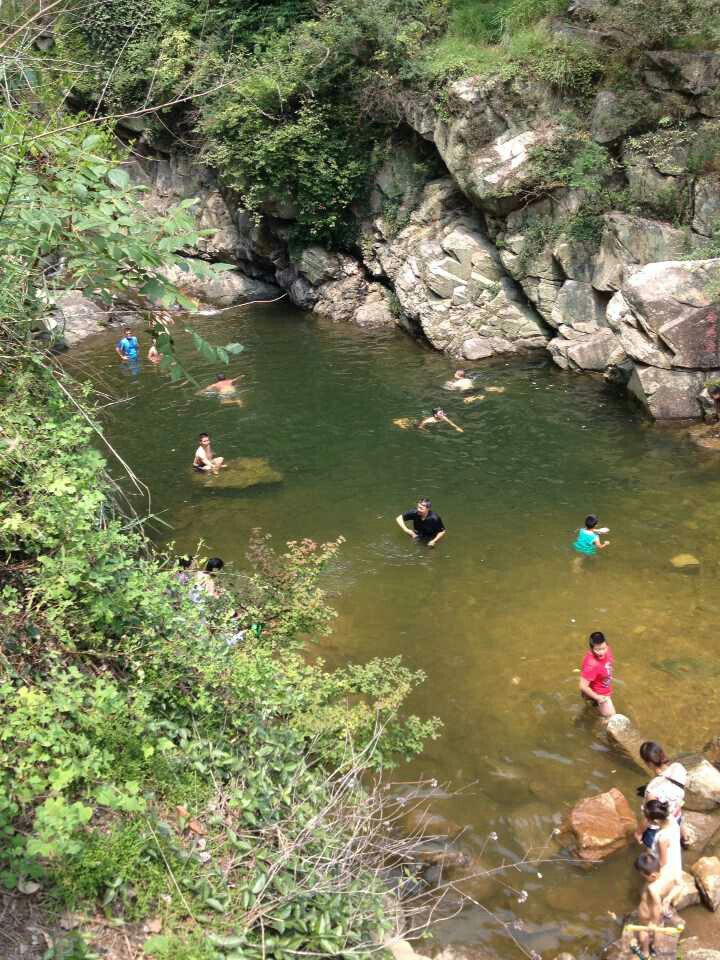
{"x":588,"y":541}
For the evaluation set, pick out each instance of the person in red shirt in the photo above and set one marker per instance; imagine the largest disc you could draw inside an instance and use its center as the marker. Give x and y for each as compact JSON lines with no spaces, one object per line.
{"x":596,"y":675}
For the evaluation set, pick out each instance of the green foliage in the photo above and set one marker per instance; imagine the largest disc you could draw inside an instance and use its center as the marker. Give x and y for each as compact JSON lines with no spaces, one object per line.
{"x":125,"y":697}
{"x":572,"y":159}
{"x":663,"y":23}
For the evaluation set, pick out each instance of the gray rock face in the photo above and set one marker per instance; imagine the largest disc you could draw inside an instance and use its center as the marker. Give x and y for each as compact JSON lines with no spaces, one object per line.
{"x":667,"y":394}
{"x":223,"y":290}
{"x":629,"y":242}
{"x":692,"y":72}
{"x":689,"y":895}
{"x":75,"y":317}
{"x":707,"y":205}
{"x":610,"y":119}
{"x":673,"y":301}
{"x":448,"y":277}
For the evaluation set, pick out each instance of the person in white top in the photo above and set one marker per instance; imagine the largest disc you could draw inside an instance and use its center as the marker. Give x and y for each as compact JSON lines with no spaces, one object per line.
{"x":666,"y":847}
{"x":204,"y":460}
{"x":667,"y":785}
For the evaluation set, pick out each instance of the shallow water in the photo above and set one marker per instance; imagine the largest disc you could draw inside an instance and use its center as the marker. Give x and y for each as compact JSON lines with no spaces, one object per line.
{"x":496,"y":615}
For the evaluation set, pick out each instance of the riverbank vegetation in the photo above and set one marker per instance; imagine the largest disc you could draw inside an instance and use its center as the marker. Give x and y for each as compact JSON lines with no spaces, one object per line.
{"x":171,"y":764}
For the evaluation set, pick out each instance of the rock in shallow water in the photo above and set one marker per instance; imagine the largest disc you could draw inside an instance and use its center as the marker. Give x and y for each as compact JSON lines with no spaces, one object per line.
{"x":601,"y":825}
{"x":686,"y":562}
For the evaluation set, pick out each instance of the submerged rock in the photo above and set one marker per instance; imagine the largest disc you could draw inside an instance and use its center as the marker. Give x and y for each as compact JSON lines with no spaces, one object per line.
{"x":242,"y":473}
{"x":601,"y":825}
{"x":686,"y":562}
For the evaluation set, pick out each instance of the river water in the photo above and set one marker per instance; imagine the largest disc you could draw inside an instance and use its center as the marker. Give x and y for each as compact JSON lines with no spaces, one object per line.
{"x":496,"y":615}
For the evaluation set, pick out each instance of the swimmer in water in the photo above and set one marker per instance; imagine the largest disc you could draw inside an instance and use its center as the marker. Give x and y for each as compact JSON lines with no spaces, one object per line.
{"x":223,"y":386}
{"x":459,"y":381}
{"x":439,"y":416}
{"x":153,"y":352}
{"x":204,"y":461}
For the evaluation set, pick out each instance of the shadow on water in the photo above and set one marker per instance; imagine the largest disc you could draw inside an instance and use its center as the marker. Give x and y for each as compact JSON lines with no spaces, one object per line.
{"x":496,"y":616}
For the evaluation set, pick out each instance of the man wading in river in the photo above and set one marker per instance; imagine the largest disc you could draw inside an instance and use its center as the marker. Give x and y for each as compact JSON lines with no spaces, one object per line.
{"x":427,"y":525}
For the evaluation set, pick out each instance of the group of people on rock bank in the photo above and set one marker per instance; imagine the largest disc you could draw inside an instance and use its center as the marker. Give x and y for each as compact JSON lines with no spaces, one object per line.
{"x":661,"y":832}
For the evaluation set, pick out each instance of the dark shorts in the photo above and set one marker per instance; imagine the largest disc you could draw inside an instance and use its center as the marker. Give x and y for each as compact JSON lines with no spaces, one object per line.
{"x":648,"y":837}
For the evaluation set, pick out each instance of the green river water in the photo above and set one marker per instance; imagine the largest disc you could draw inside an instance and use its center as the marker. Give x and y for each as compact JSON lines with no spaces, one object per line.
{"x":496,"y":615}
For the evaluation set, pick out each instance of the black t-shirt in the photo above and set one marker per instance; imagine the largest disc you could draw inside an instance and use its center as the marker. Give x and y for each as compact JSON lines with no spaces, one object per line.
{"x":427,"y":528}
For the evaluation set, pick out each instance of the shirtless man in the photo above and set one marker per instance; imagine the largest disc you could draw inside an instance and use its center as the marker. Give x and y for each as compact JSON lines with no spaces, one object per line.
{"x":439,"y":416}
{"x":459,"y":381}
{"x":223,"y":385}
{"x":204,"y":460}
{"x":658,"y":888}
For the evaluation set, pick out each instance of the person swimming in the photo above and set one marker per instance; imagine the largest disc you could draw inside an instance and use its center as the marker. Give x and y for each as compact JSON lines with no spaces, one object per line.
{"x":588,"y":540}
{"x":459,"y":382}
{"x":438,"y":416}
{"x":224,"y":386}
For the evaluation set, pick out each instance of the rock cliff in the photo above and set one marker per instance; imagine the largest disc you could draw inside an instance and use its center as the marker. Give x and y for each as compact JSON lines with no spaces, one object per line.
{"x":498,"y":223}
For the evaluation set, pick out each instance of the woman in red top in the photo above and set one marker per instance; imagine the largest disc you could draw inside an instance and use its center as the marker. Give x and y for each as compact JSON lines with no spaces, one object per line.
{"x":596,"y":675}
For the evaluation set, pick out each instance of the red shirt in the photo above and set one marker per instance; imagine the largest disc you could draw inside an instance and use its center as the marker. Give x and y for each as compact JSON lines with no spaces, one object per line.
{"x":598,"y":673}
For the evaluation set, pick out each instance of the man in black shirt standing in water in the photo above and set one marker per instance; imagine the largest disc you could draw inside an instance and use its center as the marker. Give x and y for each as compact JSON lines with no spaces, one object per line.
{"x":427,"y":525}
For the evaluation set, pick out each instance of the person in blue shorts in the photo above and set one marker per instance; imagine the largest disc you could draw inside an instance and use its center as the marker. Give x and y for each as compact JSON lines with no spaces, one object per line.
{"x":127,"y":348}
{"x":588,"y":540}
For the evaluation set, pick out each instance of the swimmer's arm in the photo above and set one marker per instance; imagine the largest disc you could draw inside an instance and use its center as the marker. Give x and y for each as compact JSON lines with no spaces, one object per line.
{"x":119,"y":352}
{"x":425,"y":422}
{"x":403,"y":526}
{"x":599,"y":544}
{"x":431,"y":543}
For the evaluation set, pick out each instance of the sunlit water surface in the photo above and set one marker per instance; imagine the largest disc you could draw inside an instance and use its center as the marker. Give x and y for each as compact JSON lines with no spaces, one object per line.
{"x":496,"y":615}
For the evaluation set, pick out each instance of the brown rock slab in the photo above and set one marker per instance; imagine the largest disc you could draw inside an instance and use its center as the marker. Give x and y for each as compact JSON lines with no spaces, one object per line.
{"x":707,"y":876}
{"x":601,"y":825}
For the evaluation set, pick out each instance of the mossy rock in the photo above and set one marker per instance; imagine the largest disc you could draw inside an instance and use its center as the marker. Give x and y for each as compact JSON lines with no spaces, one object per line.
{"x":242,"y":473}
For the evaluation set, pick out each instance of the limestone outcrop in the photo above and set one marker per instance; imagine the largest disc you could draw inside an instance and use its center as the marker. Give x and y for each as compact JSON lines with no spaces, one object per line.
{"x":495,"y":226}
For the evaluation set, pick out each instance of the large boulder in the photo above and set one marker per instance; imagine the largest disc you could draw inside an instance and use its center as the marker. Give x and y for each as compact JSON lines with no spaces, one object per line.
{"x":601,"y":825}
{"x":629,"y":242}
{"x":75,"y":317}
{"x":667,"y":394}
{"x":706,"y":208}
{"x":700,"y":830}
{"x":702,"y":791}
{"x":707,"y":876}
{"x":595,"y":352}
{"x":638,"y":343}
{"x":223,"y":289}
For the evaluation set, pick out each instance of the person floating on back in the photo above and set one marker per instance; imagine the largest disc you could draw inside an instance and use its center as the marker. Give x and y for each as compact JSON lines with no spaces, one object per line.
{"x":204,"y":461}
{"x":127,"y":347}
{"x":588,"y":540}
{"x":459,"y":382}
{"x":439,"y":416}
{"x":596,"y":675}
{"x":427,"y":526}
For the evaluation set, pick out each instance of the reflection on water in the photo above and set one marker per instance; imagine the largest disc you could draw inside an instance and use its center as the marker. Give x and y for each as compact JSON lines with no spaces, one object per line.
{"x":495,"y":615}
